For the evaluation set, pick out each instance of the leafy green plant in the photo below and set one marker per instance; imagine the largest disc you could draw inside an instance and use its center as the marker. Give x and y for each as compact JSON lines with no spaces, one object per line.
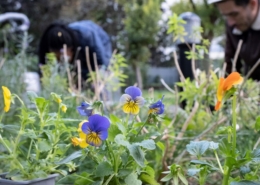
{"x":115,"y":150}
{"x":37,"y":146}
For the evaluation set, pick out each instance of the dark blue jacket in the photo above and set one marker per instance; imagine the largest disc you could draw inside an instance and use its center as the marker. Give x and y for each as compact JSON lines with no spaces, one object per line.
{"x":98,"y":41}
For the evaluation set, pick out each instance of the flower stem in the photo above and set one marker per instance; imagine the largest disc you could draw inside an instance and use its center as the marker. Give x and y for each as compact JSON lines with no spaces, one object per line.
{"x":6,"y":146}
{"x":144,"y":124}
{"x":29,"y":151}
{"x":21,"y":101}
{"x":226,"y":175}
{"x":234,"y":124}
{"x":109,"y":179}
{"x":220,"y":167}
{"x":112,"y":157}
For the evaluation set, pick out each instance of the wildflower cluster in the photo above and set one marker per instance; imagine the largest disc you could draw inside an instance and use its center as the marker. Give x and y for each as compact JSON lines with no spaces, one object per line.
{"x":118,"y":143}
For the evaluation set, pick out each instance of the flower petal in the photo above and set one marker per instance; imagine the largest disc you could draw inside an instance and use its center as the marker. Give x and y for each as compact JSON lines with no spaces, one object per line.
{"x":83,"y":143}
{"x":93,"y":139}
{"x":96,"y":123}
{"x":220,"y":89}
{"x":100,"y":122}
{"x":133,"y":91}
{"x":233,"y":79}
{"x":131,"y":107}
{"x":140,"y":101}
{"x":103,"y":135}
{"x":7,"y":98}
{"x":75,"y":141}
{"x":84,"y":109}
{"x":80,"y":125}
{"x":218,"y":105}
{"x":124,"y":99}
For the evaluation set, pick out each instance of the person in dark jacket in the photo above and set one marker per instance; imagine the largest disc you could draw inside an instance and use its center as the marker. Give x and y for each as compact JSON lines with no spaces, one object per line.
{"x":76,"y":36}
{"x":242,"y":23}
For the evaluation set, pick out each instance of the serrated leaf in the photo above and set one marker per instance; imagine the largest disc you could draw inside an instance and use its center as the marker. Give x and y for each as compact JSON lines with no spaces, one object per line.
{"x":137,"y":153}
{"x":104,"y":169}
{"x":213,"y":145}
{"x":121,"y":140}
{"x":148,"y":144}
{"x":132,"y":179}
{"x":197,"y":148}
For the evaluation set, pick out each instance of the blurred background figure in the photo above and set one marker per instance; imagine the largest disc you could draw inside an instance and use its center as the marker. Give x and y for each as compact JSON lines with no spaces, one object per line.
{"x":242,"y":23}
{"x":76,"y":36}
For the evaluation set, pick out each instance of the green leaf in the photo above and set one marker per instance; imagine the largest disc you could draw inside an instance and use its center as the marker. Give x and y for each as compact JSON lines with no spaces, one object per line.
{"x":121,"y":140}
{"x":30,"y":134}
{"x":150,"y":171}
{"x":182,"y":178}
{"x":192,"y":171}
{"x":197,"y":148}
{"x":124,"y":172}
{"x":245,"y":183}
{"x":203,"y":163}
{"x":71,"y":157}
{"x":122,"y":128}
{"x":167,"y":177}
{"x":225,"y":147}
{"x":137,"y":153}
{"x":148,"y":179}
{"x":132,"y":179}
{"x":44,"y":146}
{"x":224,"y":130}
{"x":112,"y":132}
{"x":245,"y":169}
{"x":256,"y":155}
{"x":83,"y":178}
{"x":41,"y":104}
{"x":148,"y":144}
{"x":104,"y":169}
{"x":10,"y":128}
{"x":213,"y":145}
{"x":230,"y":161}
{"x":257,"y":123}
{"x":160,"y":145}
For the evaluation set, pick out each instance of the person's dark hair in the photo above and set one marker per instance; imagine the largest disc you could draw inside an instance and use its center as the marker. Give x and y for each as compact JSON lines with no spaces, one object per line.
{"x":54,"y":37}
{"x":241,"y":2}
{"x":237,"y":2}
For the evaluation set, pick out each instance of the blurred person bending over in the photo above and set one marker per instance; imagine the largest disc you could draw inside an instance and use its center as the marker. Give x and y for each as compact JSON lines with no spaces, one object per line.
{"x":76,"y":36}
{"x":242,"y":22}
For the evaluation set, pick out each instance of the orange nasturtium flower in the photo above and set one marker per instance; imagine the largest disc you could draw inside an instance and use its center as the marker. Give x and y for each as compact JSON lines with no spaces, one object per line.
{"x":7,"y":98}
{"x":226,"y":84}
